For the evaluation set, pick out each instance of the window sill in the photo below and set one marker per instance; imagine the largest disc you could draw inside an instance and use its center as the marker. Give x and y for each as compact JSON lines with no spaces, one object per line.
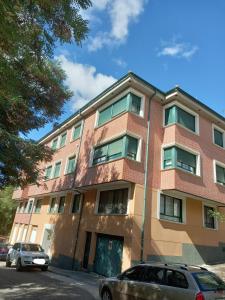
{"x":208,"y":228}
{"x":111,"y":215}
{"x":70,"y":173}
{"x":74,"y":140}
{"x":178,"y":124}
{"x":182,"y":170}
{"x":170,"y":221}
{"x":113,"y":160}
{"x":220,"y":184}
{"x":220,"y":147}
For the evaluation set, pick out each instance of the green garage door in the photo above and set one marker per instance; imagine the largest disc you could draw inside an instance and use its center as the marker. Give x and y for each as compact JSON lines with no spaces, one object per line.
{"x":108,"y":257}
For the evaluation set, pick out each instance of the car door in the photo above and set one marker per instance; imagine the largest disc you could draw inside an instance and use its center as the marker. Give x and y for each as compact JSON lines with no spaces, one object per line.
{"x":13,"y":252}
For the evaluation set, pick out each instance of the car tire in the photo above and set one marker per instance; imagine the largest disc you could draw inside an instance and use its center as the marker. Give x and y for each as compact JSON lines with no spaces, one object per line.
{"x":19,"y":267}
{"x":44,"y":268}
{"x":106,"y":295}
{"x":8,"y":263}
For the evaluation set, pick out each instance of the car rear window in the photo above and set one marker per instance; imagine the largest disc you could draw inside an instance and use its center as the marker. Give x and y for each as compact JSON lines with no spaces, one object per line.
{"x":31,"y":247}
{"x":208,"y":281}
{"x":176,"y":279}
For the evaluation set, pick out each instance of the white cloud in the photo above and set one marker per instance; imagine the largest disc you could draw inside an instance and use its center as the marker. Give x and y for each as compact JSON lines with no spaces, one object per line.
{"x":84,"y":81}
{"x":121,"y":14}
{"x":120,"y":62}
{"x":177,"y":49}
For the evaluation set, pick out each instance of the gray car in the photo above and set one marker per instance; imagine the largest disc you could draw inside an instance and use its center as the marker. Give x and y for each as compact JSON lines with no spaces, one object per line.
{"x":25,"y":255}
{"x":158,"y":281}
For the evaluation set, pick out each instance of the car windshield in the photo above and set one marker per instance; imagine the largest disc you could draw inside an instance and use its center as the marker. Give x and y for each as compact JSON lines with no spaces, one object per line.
{"x":31,"y":247}
{"x":208,"y":281}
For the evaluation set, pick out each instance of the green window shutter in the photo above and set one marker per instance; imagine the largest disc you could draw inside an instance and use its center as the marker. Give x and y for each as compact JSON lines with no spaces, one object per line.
{"x":119,"y":106}
{"x":63,"y":140}
{"x":170,"y":115}
{"x":132,"y":147}
{"x":57,"y":169}
{"x":168,"y":161}
{"x":135,"y":105}
{"x":185,"y":119}
{"x":71,"y":165}
{"x":54,"y":144}
{"x":76,"y":132}
{"x":220,"y":174}
{"x":104,"y":115}
{"x":48,"y":172}
{"x":115,"y":149}
{"x":100,"y":154}
{"x":218,"y":138}
{"x":186,"y":160}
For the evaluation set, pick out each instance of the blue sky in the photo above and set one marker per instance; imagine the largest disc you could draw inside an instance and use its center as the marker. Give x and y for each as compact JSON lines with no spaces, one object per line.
{"x":166,"y":42}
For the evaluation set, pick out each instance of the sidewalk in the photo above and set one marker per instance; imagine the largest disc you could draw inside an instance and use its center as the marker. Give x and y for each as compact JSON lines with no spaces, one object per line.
{"x":87,"y":281}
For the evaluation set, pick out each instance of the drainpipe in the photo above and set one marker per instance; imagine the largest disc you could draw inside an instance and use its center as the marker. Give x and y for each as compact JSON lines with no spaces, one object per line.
{"x":146,"y":179}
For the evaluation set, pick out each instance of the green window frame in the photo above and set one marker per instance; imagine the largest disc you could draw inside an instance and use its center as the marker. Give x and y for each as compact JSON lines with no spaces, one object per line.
{"x":76,"y":132}
{"x":129,"y":102}
{"x":38,"y":204}
{"x":171,"y":208}
{"x":57,"y":169}
{"x":220,"y":175}
{"x":63,"y":139}
{"x":125,"y":146}
{"x":55,"y":144}
{"x":71,"y":165}
{"x":218,"y":137}
{"x":209,"y":219}
{"x":52,"y":206}
{"x":61,"y":206}
{"x":48,"y":172}
{"x":113,"y":202}
{"x":175,"y":114}
{"x":175,"y":157}
{"x":76,"y":203}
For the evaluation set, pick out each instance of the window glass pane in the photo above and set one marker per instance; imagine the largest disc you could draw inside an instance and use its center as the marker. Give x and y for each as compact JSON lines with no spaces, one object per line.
{"x":170,"y":115}
{"x":52,"y":205}
{"x":57,"y":169}
{"x":113,"y":201}
{"x":209,"y":219}
{"x":119,"y":106}
{"x":30,"y":207}
{"x":162,"y":204}
{"x":38,"y":206}
{"x":208,"y":281}
{"x":71,"y":165}
{"x":135,"y":104}
{"x":132,"y":146}
{"x":61,"y":204}
{"x":100,"y":154}
{"x":186,"y":160}
{"x":76,"y":203}
{"x":168,"y":158}
{"x":176,"y":279}
{"x":170,"y":208}
{"x":135,"y":274}
{"x":115,"y":149}
{"x":218,"y":138}
{"x":63,"y":140}
{"x":48,"y":172}
{"x":76,"y":132}
{"x":153,"y":275}
{"x":54,"y":144}
{"x":220,"y":174}
{"x":185,"y":119}
{"x":105,"y":202}
{"x":104,"y":115}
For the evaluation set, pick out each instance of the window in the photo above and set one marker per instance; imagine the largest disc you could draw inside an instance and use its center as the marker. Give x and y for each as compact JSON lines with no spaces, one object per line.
{"x":218,"y":137}
{"x":71,"y":164}
{"x":125,"y":146}
{"x":113,"y":202}
{"x":54,"y":144}
{"x":130,"y":102}
{"x":220,"y":174}
{"x":175,"y":114}
{"x":25,"y":207}
{"x":175,"y":157}
{"x":208,"y":281}
{"x":63,"y":140}
{"x":61,"y":204}
{"x":20,"y":207}
{"x":76,"y":132}
{"x":37,"y":208}
{"x":176,"y":279}
{"x":134,"y":274}
{"x":209,"y":219}
{"x":57,"y":169}
{"x":76,"y":203}
{"x":170,"y":208}
{"x":53,"y":205}
{"x":30,"y":205}
{"x":48,"y":172}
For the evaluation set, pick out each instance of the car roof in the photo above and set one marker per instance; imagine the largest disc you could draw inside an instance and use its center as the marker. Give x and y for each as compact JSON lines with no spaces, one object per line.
{"x":175,"y":266}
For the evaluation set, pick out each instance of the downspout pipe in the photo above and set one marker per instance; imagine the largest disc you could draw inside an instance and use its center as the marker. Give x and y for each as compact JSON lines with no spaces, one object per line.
{"x":146,"y":178}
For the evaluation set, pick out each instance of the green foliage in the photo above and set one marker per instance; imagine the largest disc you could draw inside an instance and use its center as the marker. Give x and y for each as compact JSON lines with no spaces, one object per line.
{"x":7,"y":210}
{"x":32,"y":89}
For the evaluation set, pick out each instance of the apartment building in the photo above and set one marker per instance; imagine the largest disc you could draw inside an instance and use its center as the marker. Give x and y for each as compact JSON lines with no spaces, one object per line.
{"x":135,"y":176}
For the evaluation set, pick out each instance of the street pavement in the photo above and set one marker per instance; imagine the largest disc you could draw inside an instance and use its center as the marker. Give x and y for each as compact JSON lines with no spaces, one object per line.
{"x":35,"y":284}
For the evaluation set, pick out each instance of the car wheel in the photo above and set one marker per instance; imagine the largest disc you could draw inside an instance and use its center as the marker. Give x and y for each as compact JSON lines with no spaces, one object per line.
{"x":19,"y":267}
{"x":106,"y":295}
{"x":8,"y":263}
{"x":44,"y":268}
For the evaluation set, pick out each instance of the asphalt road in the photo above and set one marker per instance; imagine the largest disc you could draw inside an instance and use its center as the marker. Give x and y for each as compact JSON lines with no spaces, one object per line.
{"x":35,"y":284}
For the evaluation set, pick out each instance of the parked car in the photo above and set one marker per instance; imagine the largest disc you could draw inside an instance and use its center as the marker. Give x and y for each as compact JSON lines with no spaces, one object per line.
{"x":25,"y":255}
{"x":4,"y":249}
{"x":158,"y":281}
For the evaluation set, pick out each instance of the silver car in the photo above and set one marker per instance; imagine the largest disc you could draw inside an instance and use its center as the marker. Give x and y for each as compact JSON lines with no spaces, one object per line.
{"x":158,"y":281}
{"x":27,"y":255}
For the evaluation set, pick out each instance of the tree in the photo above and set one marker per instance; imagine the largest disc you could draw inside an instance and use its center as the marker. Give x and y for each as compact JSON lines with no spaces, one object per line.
{"x":7,"y":210}
{"x":32,"y":89}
